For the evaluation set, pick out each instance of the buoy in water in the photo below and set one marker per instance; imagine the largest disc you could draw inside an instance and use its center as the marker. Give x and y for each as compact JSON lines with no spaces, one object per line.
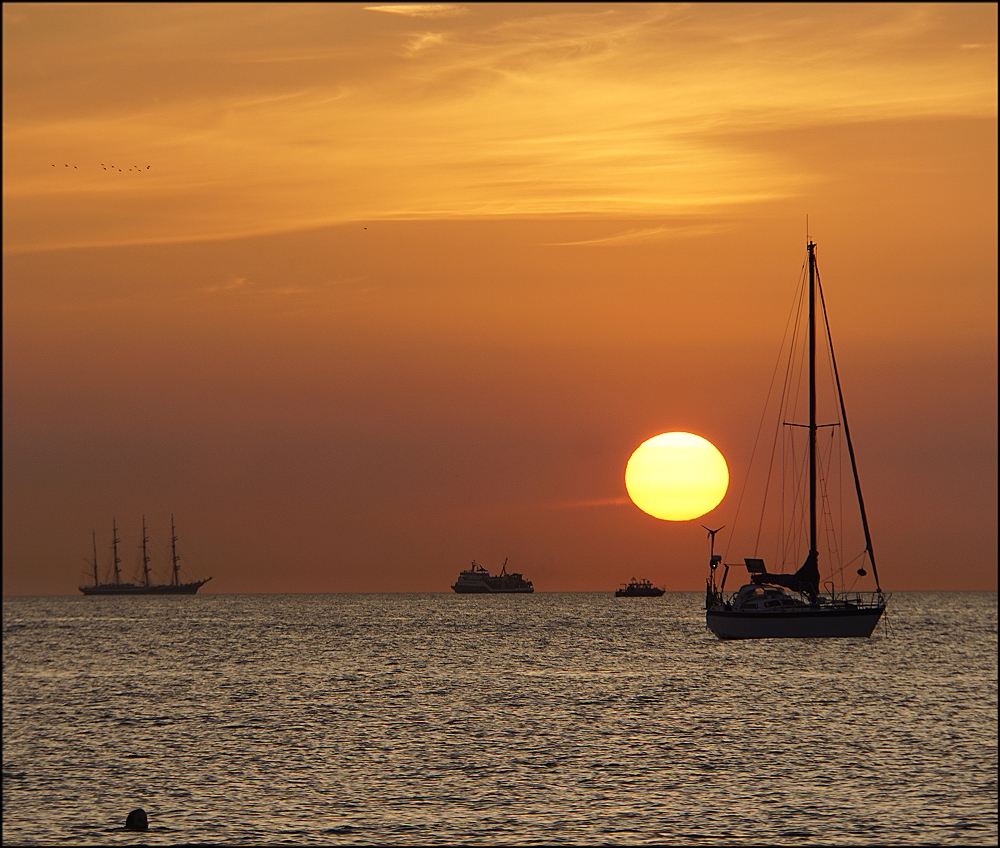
{"x":137,"y":820}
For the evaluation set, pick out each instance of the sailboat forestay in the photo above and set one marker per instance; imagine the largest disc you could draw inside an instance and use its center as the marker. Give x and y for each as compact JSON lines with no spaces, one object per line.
{"x":782,"y":605}
{"x":117,"y":587}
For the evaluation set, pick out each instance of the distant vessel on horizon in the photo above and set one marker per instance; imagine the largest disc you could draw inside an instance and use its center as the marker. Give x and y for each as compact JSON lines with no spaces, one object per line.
{"x":639,"y":589}
{"x":781,"y":605}
{"x":477,"y":581}
{"x":174,"y":587}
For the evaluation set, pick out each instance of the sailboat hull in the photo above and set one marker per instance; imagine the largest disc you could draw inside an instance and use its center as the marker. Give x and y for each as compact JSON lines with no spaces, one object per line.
{"x":807,"y":624}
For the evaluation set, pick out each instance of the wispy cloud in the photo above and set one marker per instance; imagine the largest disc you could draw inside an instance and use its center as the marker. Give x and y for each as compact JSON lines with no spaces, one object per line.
{"x":423,"y":41}
{"x":232,"y":285}
{"x":589,"y":504}
{"x":648,"y":235}
{"x":420,"y":10}
{"x":632,"y":111}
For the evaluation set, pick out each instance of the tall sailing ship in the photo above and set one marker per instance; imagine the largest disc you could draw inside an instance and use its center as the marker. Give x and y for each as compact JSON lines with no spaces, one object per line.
{"x":793,"y":605}
{"x":146,"y":587}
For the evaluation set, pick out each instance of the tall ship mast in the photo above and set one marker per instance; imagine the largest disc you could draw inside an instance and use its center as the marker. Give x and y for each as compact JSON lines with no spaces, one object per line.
{"x":114,"y":545}
{"x":96,"y":581}
{"x":145,"y":555}
{"x":175,"y":579}
{"x":145,"y":586}
{"x":782,"y":605}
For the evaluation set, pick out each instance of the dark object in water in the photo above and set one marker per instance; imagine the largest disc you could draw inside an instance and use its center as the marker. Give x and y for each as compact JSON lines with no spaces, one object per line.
{"x":477,"y":581}
{"x":174,"y":587}
{"x":779,"y":605}
{"x":137,"y":820}
{"x":639,"y":589}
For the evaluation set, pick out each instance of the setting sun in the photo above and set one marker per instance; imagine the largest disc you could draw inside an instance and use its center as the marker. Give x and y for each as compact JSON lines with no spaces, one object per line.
{"x":676,"y":476}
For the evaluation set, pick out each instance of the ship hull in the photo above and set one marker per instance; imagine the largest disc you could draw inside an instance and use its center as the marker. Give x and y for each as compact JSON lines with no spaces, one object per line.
{"x":132,"y":589}
{"x":482,"y":589}
{"x":639,"y":593}
{"x":807,"y":624}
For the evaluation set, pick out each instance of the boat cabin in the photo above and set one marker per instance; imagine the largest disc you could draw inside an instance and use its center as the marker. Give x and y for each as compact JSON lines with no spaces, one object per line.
{"x":754,"y":597}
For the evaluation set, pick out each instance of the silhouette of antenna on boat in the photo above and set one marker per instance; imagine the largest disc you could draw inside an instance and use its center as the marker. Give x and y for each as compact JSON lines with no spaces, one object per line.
{"x":711,"y":535}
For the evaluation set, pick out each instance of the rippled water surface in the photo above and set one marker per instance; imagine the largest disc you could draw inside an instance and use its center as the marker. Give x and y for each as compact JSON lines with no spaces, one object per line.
{"x":444,"y":719}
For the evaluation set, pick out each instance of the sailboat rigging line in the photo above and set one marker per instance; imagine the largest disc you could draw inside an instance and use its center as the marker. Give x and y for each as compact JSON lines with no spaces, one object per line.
{"x":782,"y":541}
{"x":798,"y":514}
{"x":760,"y":426}
{"x":788,"y":544}
{"x":840,"y":503}
{"x":829,"y":525}
{"x":844,"y":568}
{"x":837,"y":541}
{"x":788,"y":541}
{"x":847,"y":434}
{"x":782,"y":403}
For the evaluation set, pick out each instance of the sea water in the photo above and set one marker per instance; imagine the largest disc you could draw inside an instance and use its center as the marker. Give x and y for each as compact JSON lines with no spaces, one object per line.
{"x":518,"y":719}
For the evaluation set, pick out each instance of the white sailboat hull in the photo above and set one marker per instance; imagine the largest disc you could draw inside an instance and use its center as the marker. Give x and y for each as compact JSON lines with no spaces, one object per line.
{"x":805,"y":624}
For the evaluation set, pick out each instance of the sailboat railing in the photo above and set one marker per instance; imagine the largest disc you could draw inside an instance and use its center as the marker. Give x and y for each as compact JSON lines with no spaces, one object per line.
{"x":836,"y":600}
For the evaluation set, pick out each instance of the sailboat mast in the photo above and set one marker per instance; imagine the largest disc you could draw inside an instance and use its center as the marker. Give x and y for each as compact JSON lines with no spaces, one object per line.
{"x":145,"y":556}
{"x":813,"y":552}
{"x":173,"y":549}
{"x":96,"y":581}
{"x":114,"y":545}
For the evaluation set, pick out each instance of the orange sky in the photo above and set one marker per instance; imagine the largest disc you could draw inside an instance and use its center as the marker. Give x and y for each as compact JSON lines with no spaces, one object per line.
{"x":404,"y":286}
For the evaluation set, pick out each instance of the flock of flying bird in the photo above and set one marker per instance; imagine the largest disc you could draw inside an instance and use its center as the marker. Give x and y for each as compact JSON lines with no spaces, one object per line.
{"x":113,"y":168}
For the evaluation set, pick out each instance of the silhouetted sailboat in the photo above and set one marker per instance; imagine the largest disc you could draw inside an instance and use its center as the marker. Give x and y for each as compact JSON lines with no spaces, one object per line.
{"x":790,"y":605}
{"x":174,"y":587}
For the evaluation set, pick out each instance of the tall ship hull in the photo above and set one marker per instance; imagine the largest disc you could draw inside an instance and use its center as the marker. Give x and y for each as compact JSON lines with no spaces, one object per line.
{"x":478,"y":581}
{"x":133,"y":589}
